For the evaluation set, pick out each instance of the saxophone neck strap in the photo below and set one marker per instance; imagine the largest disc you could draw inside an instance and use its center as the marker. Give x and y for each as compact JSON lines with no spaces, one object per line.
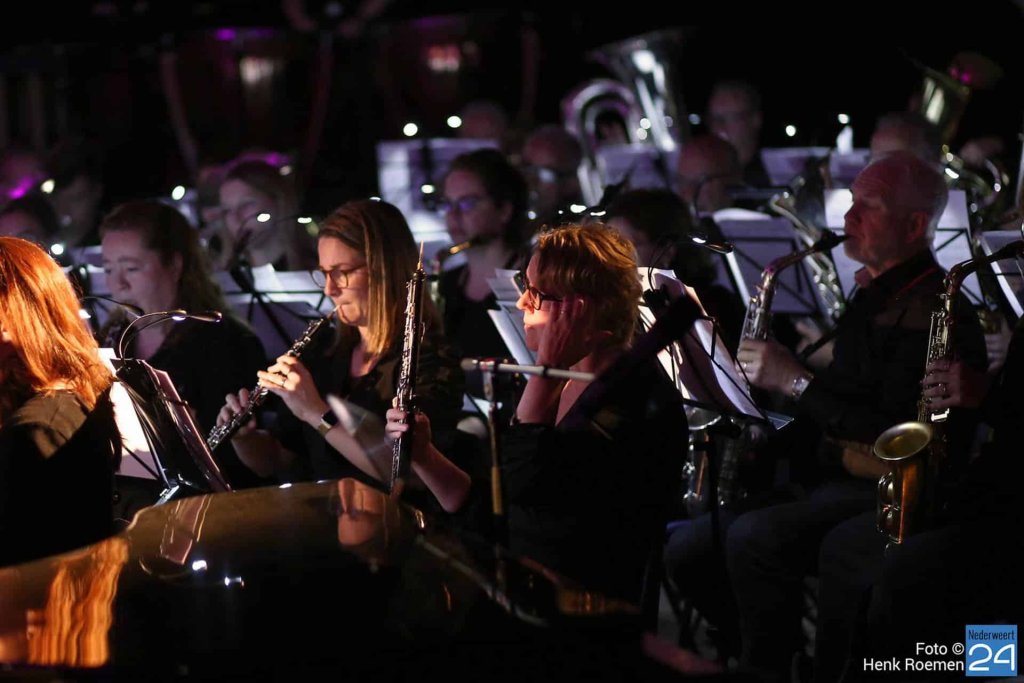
{"x":868,"y":309}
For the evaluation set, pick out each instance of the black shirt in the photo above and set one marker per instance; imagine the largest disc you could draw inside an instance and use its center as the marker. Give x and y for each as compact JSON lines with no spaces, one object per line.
{"x":874,"y":380}
{"x":439,"y":384}
{"x":57,"y":464}
{"x":589,"y":497}
{"x":207,"y":361}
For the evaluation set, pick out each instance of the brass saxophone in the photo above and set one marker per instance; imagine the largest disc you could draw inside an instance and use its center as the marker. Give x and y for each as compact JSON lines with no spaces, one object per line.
{"x":405,"y":398}
{"x":908,"y":495}
{"x":259,"y":394}
{"x":757,"y":325}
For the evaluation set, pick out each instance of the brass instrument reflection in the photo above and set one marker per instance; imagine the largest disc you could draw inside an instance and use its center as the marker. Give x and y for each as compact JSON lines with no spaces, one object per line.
{"x":70,"y":624}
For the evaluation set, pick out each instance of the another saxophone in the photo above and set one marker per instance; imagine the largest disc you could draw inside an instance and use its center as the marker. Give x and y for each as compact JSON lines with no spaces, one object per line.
{"x":259,"y":393}
{"x":757,"y":326}
{"x":405,"y":398}
{"x":909,"y":495}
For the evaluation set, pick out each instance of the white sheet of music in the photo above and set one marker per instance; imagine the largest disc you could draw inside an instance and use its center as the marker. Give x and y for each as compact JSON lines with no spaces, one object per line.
{"x":508,"y":319}
{"x":715,"y":382}
{"x":133,"y":439}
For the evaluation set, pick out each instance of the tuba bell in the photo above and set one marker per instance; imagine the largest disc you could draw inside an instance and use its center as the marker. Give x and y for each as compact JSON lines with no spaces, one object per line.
{"x":640,"y":106}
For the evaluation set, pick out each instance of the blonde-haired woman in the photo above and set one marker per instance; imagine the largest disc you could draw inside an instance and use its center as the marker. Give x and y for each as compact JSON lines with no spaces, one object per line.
{"x":367,"y":255}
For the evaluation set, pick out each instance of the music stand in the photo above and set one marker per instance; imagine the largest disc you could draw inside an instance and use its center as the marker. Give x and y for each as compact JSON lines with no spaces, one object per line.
{"x":278,"y":306}
{"x":701,"y":368}
{"x":404,"y":167}
{"x":784,"y":164}
{"x":647,"y":166}
{"x":1008,"y":272}
{"x":844,"y":167}
{"x":758,"y":240}
{"x":183,"y":461}
{"x":508,"y":319}
{"x":951,"y":243}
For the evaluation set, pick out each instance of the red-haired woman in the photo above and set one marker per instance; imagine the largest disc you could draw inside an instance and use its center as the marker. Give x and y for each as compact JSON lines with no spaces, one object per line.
{"x":59,"y":444}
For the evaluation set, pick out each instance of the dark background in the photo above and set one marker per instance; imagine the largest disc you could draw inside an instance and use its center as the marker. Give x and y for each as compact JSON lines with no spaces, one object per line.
{"x":94,"y":71}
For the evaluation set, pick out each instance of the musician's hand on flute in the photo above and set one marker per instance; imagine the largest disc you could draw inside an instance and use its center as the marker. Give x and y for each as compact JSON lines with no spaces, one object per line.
{"x":289,"y":379}
{"x":235,"y":405}
{"x":952,"y":384}
{"x":768,"y":365}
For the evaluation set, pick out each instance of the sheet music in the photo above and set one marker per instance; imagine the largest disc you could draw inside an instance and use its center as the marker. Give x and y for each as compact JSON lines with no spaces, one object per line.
{"x":508,"y":319}
{"x":757,"y":241}
{"x":716,"y":384}
{"x":783,"y":164}
{"x":133,"y":439}
{"x":1008,"y":271}
{"x":843,"y":168}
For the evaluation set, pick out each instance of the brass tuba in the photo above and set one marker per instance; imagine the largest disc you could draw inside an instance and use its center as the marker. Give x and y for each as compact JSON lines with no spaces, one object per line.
{"x":823,"y":269}
{"x":642,"y":107}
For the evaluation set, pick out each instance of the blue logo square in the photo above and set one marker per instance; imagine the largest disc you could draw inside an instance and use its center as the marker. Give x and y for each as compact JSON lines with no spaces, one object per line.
{"x":990,"y":650}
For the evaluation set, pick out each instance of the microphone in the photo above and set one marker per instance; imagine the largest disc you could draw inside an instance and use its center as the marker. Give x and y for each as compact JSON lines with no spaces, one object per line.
{"x":177,"y":315}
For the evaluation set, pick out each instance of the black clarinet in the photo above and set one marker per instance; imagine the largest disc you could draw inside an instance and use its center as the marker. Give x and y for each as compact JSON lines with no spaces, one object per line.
{"x":406,"y":392}
{"x":259,"y":394}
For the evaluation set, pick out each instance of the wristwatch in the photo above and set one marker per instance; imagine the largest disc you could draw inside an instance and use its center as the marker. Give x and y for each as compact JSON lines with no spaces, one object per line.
{"x":327,"y":422}
{"x":800,"y":383}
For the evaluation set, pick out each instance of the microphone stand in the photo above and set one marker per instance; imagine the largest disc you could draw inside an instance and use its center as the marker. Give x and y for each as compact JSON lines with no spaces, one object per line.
{"x":497,"y":499}
{"x":240,"y":271}
{"x":489,"y":368}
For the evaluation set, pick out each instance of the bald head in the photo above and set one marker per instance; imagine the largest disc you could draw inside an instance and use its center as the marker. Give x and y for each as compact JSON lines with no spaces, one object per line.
{"x":905,"y":132}
{"x":907,"y":184}
{"x":706,"y":167}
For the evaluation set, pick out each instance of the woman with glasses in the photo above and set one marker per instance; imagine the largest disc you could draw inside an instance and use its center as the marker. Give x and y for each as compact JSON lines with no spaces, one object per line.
{"x":484,"y":202}
{"x":367,"y":255}
{"x":259,"y":219}
{"x":587,"y":474}
{"x":153,"y":260}
{"x":59,"y":444}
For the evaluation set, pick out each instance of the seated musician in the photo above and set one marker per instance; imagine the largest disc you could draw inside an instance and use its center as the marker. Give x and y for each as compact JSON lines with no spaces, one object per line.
{"x":964,"y":568}
{"x":59,"y":443}
{"x":873,"y":382}
{"x":152,"y":259}
{"x":367,"y":254}
{"x":587,"y":478}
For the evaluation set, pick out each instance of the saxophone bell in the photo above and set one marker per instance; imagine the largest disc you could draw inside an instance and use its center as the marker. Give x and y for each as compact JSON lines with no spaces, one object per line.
{"x":902,"y":510}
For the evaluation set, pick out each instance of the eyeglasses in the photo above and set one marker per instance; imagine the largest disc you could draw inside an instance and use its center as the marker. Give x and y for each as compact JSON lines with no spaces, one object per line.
{"x":534,"y":297}
{"x":338,"y":275}
{"x":462,"y":204}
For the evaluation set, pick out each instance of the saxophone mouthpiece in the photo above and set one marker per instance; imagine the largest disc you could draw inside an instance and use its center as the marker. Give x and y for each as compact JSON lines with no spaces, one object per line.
{"x":829,"y":240}
{"x":419,"y":263}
